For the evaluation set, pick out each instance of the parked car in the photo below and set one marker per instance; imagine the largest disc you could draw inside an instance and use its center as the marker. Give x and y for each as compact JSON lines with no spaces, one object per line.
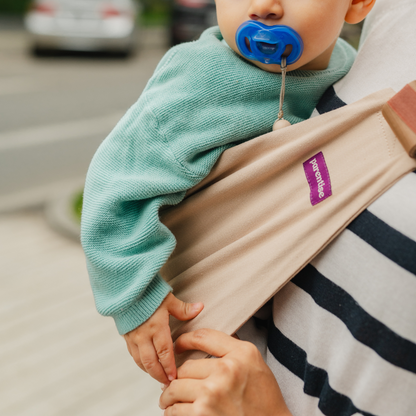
{"x":189,"y":18}
{"x":82,"y":25}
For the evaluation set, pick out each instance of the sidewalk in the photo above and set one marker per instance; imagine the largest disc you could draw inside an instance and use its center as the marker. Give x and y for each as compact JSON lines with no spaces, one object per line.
{"x":58,"y":357}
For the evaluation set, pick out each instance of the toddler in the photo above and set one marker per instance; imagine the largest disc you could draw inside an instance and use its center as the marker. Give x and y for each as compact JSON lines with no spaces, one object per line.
{"x":203,"y":98}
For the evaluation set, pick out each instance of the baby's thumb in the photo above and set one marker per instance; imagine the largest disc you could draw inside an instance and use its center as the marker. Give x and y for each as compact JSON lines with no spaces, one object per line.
{"x":182,"y":310}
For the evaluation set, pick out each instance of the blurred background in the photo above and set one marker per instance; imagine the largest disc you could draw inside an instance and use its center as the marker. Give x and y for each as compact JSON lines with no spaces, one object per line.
{"x":69,"y":69}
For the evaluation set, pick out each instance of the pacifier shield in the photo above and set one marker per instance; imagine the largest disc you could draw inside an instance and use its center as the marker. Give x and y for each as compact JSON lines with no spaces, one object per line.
{"x":267,"y":44}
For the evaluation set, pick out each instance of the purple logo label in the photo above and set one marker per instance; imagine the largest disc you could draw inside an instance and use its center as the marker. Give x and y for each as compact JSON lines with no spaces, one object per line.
{"x":317,"y":175}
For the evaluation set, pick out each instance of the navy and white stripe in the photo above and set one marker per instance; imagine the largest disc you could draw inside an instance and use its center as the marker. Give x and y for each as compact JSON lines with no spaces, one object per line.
{"x":344,"y":329}
{"x":342,"y":340}
{"x":329,"y":101}
{"x":363,"y":327}
{"x":316,"y":382}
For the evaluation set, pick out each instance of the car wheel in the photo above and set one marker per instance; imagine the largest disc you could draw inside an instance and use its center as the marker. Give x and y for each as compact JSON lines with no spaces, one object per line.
{"x":39,"y":51}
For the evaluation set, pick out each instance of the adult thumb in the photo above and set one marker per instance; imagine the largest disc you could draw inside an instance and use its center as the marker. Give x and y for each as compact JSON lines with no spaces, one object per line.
{"x":183,"y":310}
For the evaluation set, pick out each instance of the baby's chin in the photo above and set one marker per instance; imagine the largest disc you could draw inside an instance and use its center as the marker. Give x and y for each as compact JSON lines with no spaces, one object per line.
{"x":306,"y":66}
{"x":319,"y":63}
{"x":305,"y":63}
{"x":274,"y":68}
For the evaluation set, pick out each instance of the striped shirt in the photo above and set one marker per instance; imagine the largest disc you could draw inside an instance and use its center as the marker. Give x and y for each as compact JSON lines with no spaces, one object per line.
{"x":342,"y":338}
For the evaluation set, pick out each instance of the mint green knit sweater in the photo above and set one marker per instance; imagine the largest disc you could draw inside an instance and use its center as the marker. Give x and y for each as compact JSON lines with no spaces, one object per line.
{"x":202,"y":99}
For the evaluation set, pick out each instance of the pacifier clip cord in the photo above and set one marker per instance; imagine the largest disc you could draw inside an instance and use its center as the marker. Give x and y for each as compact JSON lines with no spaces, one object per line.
{"x":280,"y":123}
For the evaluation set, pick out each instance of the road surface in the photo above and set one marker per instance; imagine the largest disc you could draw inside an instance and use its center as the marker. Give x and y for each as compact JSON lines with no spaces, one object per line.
{"x":58,"y":357}
{"x":55,"y":111}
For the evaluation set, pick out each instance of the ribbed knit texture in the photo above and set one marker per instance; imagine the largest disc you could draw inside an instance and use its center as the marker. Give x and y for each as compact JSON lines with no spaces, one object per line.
{"x":202,"y":99}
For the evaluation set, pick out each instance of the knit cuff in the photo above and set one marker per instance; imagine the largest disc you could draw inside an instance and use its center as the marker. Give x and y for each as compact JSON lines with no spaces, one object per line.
{"x":144,"y":307}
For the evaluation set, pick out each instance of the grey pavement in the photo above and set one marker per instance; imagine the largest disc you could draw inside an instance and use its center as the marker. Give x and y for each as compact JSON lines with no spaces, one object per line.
{"x":58,"y":357}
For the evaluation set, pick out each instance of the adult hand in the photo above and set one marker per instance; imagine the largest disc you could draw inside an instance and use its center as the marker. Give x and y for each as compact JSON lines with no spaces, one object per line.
{"x":238,"y":383}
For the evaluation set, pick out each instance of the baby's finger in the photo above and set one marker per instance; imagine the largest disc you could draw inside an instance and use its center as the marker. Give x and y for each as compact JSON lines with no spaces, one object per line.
{"x":134,"y":352}
{"x":151,"y":363}
{"x":182,"y":310}
{"x":163,"y":344}
{"x":127,"y":343}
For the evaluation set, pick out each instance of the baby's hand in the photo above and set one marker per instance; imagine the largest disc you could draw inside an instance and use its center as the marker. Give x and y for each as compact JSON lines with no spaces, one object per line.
{"x":151,"y":344}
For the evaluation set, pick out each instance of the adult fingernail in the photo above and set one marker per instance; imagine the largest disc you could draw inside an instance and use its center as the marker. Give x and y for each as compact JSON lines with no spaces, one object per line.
{"x":171,"y":378}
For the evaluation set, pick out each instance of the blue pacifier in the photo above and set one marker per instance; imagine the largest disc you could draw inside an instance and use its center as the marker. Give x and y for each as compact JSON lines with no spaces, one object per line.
{"x":268,"y":43}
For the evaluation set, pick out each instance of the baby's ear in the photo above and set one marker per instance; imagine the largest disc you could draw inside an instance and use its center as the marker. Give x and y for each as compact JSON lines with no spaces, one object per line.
{"x":358,"y":10}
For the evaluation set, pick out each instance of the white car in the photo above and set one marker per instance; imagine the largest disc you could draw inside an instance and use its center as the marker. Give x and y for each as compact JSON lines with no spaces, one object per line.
{"x":82,"y":25}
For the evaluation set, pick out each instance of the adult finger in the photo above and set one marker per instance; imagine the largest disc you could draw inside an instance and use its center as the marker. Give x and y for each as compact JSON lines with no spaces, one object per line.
{"x":151,"y":363}
{"x":212,"y":342}
{"x":163,"y":345}
{"x":196,"y":369}
{"x":182,"y":310}
{"x":179,"y":391}
{"x":180,"y":409}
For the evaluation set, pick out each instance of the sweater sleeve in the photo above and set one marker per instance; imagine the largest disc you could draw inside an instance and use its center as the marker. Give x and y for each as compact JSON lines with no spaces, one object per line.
{"x":164,"y":145}
{"x":131,"y":176}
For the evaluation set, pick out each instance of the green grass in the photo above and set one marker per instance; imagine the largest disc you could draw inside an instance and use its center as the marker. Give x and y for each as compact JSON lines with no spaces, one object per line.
{"x":77,"y":205}
{"x":13,"y":6}
{"x":158,"y":15}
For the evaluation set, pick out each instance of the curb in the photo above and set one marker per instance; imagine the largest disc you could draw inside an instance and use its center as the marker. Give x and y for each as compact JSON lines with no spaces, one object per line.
{"x":59,"y":216}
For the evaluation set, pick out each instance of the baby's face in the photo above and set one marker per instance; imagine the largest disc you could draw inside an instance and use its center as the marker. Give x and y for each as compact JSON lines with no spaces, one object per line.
{"x":318,"y":22}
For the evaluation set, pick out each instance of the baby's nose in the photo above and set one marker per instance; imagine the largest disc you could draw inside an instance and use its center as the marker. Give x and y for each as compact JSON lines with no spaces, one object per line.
{"x":265,"y":10}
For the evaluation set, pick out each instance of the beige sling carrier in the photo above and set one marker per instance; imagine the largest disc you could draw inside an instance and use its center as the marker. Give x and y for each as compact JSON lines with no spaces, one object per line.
{"x":259,"y":217}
